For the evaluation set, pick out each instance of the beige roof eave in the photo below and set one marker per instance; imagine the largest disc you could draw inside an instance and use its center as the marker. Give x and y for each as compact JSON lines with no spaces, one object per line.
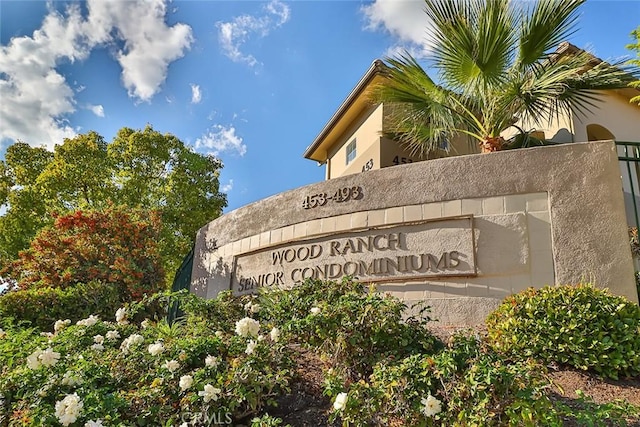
{"x":318,"y":149}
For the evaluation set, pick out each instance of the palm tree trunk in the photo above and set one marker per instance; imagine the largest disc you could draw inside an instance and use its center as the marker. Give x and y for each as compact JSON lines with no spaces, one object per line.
{"x":491,"y":144}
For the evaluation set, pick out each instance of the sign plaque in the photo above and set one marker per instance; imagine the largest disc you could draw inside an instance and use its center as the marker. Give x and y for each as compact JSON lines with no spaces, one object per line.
{"x":404,"y":252}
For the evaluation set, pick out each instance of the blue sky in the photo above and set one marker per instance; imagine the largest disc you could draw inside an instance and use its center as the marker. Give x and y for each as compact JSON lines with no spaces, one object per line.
{"x":251,"y":81}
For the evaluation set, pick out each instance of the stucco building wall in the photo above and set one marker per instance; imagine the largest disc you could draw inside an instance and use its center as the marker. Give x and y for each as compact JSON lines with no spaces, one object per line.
{"x":547,"y":215}
{"x":613,"y":112}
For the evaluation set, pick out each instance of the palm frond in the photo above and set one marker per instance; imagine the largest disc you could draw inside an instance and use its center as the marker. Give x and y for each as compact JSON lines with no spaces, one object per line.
{"x":420,"y":113}
{"x":568,"y":83}
{"x":543,"y":28}
{"x":472,"y":41}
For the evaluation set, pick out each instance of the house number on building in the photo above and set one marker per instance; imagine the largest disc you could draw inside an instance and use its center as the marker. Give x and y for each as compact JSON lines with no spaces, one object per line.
{"x":340,"y":195}
{"x":368,"y":166}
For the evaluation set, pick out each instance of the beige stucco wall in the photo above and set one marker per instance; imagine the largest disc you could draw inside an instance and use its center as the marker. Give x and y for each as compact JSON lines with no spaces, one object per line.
{"x":374,"y":151}
{"x":366,"y":132}
{"x":542,"y":215}
{"x":615,"y":113}
{"x":611,"y":110}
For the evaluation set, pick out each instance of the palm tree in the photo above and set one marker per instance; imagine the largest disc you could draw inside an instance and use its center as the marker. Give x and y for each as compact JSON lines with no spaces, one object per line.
{"x":497,"y":65}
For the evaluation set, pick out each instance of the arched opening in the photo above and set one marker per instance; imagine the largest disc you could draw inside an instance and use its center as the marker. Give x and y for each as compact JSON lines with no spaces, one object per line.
{"x":597,"y":132}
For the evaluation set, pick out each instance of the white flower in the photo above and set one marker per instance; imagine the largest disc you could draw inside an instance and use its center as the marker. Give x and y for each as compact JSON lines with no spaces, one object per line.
{"x":68,"y":409}
{"x":219,"y":334}
{"x":211,"y":361}
{"x":340,"y":402}
{"x":275,"y":334}
{"x":133,"y":340}
{"x":431,"y":406}
{"x":33,"y":361}
{"x":113,"y":335}
{"x":71,"y":379}
{"x":315,"y":310}
{"x":251,"y":307}
{"x":260,"y":338}
{"x":210,"y":393}
{"x":49,"y":357}
{"x":98,"y":339}
{"x":186,"y":381}
{"x":171,"y":365}
{"x":121,"y":316}
{"x":145,"y":323}
{"x":60,"y":325}
{"x":89,"y":321}
{"x":2,"y":333}
{"x":247,"y":327}
{"x":156,"y":348}
{"x":97,"y":347}
{"x":46,"y":334}
{"x":92,"y":423}
{"x":251,"y":346}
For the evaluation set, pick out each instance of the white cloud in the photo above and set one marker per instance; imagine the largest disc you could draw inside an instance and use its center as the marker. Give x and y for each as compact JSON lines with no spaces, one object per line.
{"x":150,"y":45}
{"x":227,"y":187}
{"x":221,"y":139}
{"x":196,"y":95}
{"x":97,"y":110}
{"x":404,"y":20}
{"x":232,"y":35}
{"x":37,"y":99}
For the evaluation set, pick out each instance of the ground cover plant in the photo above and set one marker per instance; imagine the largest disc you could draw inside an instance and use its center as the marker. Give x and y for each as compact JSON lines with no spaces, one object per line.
{"x":119,"y":372}
{"x":233,"y":360}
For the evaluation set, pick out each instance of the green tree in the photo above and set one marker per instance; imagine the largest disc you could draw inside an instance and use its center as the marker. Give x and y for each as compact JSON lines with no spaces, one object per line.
{"x":79,"y":176}
{"x":497,"y":64}
{"x":26,"y":210}
{"x":156,"y":171}
{"x":635,"y":46}
{"x":139,"y":169}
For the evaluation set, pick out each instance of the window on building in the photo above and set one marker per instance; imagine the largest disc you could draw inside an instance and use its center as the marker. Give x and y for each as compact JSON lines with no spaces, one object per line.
{"x":351,"y":151}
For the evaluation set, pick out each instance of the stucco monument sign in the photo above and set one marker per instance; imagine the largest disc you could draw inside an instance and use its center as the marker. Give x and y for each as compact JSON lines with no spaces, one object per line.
{"x":460,"y":232}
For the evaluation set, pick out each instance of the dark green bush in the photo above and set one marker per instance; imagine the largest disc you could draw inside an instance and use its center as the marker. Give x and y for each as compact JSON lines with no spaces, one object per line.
{"x":43,"y":306}
{"x":580,"y":326}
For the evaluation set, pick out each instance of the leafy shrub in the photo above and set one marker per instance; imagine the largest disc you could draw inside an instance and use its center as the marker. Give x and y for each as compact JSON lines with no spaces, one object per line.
{"x":114,"y":246}
{"x":218,"y":313}
{"x":229,"y":358}
{"x":470,"y":383}
{"x":580,"y":326}
{"x":354,"y":328}
{"x":41,"y":307}
{"x":130,"y":373}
